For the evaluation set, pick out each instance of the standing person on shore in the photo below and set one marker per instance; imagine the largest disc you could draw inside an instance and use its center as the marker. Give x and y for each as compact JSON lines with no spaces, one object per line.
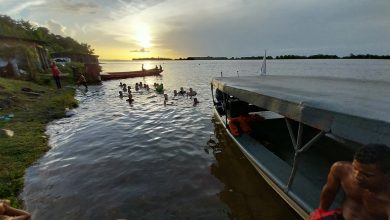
{"x":56,"y":74}
{"x":82,"y":81}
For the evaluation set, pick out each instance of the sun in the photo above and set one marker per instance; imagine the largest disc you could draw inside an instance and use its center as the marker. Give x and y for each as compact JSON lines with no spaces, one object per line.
{"x":142,"y":34}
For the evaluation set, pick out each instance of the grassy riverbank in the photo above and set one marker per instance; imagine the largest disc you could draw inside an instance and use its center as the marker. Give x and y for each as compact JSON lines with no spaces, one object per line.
{"x":31,"y":113}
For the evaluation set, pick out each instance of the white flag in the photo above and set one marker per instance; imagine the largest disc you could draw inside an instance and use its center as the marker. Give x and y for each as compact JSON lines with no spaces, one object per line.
{"x":264,"y":65}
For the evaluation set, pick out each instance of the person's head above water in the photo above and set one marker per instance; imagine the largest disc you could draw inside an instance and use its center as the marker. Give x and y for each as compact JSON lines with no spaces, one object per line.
{"x":371,"y":166}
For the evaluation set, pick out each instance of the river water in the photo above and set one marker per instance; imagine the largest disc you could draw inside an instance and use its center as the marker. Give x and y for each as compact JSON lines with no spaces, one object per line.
{"x":112,"y":160}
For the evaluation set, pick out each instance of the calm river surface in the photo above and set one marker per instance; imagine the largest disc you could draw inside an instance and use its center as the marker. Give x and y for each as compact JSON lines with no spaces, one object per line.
{"x":112,"y":160}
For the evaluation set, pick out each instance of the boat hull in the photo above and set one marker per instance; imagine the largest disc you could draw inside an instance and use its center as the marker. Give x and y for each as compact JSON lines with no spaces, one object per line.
{"x":130,"y":74}
{"x":289,"y":198}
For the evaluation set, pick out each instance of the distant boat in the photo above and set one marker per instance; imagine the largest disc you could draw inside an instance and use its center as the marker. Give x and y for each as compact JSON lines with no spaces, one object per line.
{"x":130,"y":74}
{"x":264,"y":65}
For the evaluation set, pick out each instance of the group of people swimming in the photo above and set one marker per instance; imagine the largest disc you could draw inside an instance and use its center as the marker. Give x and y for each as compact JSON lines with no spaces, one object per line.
{"x":126,"y":88}
{"x":191,"y":93}
{"x":158,"y":88}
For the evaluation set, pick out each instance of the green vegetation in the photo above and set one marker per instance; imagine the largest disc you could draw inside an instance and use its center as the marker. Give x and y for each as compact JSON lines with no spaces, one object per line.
{"x":31,"y":114}
{"x":27,"y":53}
{"x":54,"y":43}
{"x":22,"y":137}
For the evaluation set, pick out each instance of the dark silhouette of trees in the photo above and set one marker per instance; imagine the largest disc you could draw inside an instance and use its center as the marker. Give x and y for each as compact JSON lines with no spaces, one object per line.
{"x":323,"y":56}
{"x":286,"y":57}
{"x":54,"y":43}
{"x":366,"y":56}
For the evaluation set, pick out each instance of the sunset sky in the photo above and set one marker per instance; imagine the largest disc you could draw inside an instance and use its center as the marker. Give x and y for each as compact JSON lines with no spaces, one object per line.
{"x":125,"y":29}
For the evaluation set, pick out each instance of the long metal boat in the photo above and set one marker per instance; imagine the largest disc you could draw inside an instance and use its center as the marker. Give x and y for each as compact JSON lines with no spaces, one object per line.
{"x":130,"y":74}
{"x":310,"y":122}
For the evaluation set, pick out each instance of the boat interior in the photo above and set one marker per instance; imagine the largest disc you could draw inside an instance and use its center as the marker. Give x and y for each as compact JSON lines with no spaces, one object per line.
{"x":272,"y":146}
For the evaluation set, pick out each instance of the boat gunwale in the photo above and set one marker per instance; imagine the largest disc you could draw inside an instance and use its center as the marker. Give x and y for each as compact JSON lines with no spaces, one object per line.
{"x":295,"y":203}
{"x":132,"y":74}
{"x":149,"y":71}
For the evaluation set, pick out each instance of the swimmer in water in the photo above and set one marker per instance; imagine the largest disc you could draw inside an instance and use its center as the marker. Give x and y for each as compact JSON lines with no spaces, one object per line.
{"x":195,"y":102}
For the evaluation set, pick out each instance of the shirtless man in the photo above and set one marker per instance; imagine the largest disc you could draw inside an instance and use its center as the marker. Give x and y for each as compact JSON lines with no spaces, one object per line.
{"x":82,"y":81}
{"x":9,"y":213}
{"x":365,"y":183}
{"x":191,"y":93}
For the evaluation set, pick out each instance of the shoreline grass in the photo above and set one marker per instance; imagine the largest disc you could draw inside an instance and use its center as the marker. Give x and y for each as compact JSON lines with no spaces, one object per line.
{"x":29,"y":142}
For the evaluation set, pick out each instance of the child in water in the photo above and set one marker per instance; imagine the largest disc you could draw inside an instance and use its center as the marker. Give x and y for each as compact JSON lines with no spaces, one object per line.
{"x":130,"y":98}
{"x":195,"y":101}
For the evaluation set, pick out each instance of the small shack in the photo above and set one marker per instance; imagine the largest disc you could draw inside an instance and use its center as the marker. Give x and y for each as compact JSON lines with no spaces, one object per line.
{"x":20,"y":56}
{"x":92,"y":68}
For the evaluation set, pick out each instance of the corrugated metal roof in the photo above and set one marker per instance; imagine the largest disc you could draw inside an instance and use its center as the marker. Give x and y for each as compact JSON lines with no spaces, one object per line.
{"x":357,"y":110}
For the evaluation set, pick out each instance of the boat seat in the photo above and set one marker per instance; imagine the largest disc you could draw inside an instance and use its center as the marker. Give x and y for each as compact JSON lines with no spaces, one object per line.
{"x":268,"y":115}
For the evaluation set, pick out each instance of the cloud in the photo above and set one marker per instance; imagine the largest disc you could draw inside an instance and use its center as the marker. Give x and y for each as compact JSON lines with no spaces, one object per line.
{"x":56,"y":28}
{"x":241,"y":29}
{"x":79,"y":7}
{"x":142,"y":50}
{"x":23,"y":6}
{"x":217,"y":28}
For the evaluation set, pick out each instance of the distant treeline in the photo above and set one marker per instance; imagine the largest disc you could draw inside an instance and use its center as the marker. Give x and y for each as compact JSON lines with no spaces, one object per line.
{"x":204,"y":58}
{"x":54,"y":43}
{"x":317,"y":56}
{"x":324,"y":56}
{"x":152,"y":58}
{"x":286,"y":57}
{"x":367,"y":56}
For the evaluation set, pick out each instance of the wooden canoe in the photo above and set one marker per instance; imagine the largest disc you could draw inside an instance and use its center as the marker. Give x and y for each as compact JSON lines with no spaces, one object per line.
{"x":130,"y":74}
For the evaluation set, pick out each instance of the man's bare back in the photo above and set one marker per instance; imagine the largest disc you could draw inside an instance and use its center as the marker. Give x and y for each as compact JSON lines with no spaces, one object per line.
{"x":366,"y":188}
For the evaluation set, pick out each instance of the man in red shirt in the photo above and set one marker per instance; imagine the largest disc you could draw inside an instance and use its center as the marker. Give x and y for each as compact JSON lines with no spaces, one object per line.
{"x":56,"y":74}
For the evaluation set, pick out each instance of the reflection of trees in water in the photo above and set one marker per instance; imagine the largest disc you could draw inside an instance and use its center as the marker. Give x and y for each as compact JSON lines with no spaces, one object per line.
{"x":246,"y":194}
